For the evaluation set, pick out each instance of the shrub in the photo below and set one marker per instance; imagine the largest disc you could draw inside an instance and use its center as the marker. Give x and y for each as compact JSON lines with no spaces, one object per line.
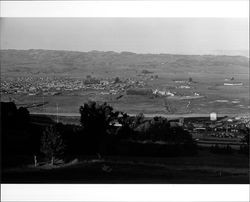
{"x":221,"y":150}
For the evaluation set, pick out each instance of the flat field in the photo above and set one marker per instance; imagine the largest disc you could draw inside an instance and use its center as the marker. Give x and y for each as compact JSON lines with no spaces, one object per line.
{"x":214,"y":97}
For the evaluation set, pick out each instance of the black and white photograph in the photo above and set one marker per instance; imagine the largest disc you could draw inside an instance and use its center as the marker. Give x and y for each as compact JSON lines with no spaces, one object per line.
{"x":115,"y":100}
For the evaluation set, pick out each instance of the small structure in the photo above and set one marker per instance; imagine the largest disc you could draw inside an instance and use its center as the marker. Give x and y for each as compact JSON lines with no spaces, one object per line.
{"x":162,"y":93}
{"x":233,"y":84}
{"x":213,"y":116}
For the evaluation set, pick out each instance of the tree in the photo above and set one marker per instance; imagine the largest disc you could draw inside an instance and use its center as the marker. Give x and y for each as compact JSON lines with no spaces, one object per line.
{"x":97,"y":120}
{"x":52,"y":144}
{"x":246,"y":138}
{"x":8,"y":112}
{"x":190,"y":79}
{"x":144,"y":71}
{"x":117,"y":80}
{"x":159,"y":128}
{"x":138,"y":119}
{"x":23,"y":117}
{"x":127,"y":122}
{"x":101,"y":115}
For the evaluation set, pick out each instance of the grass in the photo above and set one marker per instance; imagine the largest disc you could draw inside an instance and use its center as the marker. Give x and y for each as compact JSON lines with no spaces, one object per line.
{"x":203,"y":168}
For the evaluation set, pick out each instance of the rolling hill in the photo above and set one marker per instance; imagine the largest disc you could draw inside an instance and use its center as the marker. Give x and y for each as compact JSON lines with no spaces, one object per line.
{"x":64,"y":62}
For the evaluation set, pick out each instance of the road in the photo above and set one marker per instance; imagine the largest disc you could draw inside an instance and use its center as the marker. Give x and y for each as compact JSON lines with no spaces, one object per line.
{"x":146,"y":115}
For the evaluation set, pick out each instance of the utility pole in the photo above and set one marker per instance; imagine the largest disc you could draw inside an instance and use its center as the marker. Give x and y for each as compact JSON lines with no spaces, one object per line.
{"x":56,"y":112}
{"x":43,"y":104}
{"x":227,"y":129}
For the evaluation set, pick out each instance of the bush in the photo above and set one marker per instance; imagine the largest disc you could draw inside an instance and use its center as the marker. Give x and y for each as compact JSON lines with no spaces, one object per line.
{"x":221,"y":150}
{"x":244,"y":149}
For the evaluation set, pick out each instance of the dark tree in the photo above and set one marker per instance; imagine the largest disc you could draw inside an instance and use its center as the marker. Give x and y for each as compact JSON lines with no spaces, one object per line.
{"x":138,"y":119}
{"x":246,"y":138}
{"x":88,"y":77}
{"x":126,"y":120}
{"x":159,"y":127}
{"x":117,"y":80}
{"x":144,"y":71}
{"x":23,"y":117}
{"x":52,"y":144}
{"x":126,"y":130}
{"x":190,"y":79}
{"x":8,"y":112}
{"x":97,"y":120}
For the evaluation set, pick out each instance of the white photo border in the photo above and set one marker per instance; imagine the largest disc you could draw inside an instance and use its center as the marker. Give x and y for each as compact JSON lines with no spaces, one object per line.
{"x":177,"y":9}
{"x":122,"y":192}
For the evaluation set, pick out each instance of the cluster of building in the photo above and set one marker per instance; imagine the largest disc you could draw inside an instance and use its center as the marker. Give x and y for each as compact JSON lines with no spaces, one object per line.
{"x":57,"y":85}
{"x":158,"y":92}
{"x":40,"y":85}
{"x":245,"y":119}
{"x":114,"y":86}
{"x":223,"y":128}
{"x":162,"y":92}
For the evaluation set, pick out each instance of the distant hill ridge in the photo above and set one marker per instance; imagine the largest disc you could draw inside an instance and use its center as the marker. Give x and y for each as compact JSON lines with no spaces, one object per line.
{"x":61,"y":61}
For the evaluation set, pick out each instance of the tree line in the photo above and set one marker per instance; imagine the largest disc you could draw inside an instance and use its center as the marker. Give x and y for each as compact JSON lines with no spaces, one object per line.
{"x":102,"y":131}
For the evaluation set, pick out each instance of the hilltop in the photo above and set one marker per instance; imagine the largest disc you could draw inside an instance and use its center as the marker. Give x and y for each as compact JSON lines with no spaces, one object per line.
{"x":37,"y":61}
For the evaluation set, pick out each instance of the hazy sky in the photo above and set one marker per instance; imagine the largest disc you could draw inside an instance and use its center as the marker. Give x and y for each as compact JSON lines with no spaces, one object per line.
{"x":141,"y":35}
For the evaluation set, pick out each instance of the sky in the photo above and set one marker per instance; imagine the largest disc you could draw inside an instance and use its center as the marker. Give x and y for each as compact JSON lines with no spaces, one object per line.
{"x":139,"y":35}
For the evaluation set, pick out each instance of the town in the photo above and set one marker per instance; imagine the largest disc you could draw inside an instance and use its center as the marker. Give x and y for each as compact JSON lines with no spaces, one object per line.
{"x":56,"y":85}
{"x":32,"y":86}
{"x":219,"y":130}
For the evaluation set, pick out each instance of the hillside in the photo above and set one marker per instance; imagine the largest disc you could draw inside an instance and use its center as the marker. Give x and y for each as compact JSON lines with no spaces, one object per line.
{"x":61,"y":62}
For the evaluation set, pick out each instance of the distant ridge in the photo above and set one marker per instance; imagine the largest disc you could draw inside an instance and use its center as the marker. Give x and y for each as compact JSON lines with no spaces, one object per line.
{"x":232,"y":52}
{"x":61,"y":61}
{"x":244,"y":53}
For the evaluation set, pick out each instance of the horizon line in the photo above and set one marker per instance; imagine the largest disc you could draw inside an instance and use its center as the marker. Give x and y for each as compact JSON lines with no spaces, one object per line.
{"x":209,"y":52}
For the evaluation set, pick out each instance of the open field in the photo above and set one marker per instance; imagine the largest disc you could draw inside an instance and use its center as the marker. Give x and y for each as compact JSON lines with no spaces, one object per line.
{"x":214,"y":97}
